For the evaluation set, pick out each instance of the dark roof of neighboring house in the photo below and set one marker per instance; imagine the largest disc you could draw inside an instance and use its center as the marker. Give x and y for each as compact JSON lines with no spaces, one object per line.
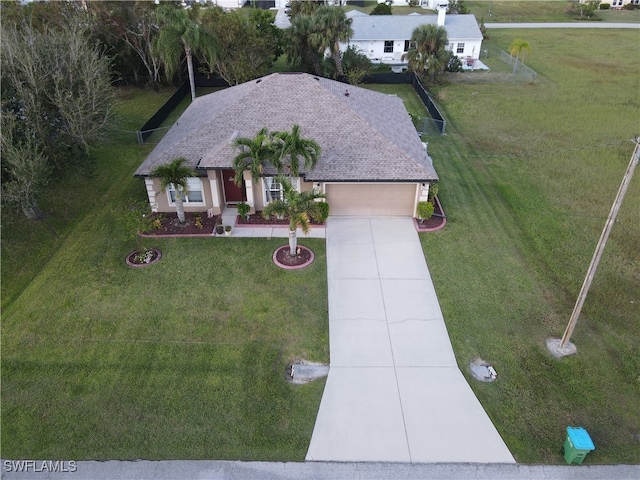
{"x":364,"y":136}
{"x":400,"y":27}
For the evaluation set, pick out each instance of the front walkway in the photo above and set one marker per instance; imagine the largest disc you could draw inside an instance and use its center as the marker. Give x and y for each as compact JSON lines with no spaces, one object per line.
{"x":394,"y":391}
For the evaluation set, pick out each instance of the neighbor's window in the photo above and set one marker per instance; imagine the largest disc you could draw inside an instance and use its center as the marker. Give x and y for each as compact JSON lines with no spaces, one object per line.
{"x":388,"y":46}
{"x":273,"y":188}
{"x":408,"y":44}
{"x":194,"y":193}
{"x":460,"y":48}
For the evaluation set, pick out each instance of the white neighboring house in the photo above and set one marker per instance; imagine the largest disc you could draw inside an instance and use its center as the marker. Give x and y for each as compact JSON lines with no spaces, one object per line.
{"x":385,"y":38}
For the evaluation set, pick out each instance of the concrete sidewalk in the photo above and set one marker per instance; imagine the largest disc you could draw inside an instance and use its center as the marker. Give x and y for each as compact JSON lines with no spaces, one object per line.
{"x":394,"y":391}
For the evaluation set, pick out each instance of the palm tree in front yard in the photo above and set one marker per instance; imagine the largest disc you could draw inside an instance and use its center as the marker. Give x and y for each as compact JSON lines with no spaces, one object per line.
{"x":298,"y":207}
{"x":176,"y":174}
{"x":254,"y":153}
{"x":295,"y":148}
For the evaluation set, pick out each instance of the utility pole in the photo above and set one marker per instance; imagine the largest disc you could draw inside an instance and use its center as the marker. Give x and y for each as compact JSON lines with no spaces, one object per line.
{"x":563,"y":347}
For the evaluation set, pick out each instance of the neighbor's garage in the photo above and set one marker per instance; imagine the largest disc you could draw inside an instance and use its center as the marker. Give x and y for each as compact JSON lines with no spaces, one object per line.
{"x":371,"y":199}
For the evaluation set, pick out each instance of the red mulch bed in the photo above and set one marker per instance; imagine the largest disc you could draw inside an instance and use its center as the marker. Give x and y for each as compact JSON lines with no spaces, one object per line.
{"x":282,"y":255}
{"x":171,"y":226}
{"x":258,"y":219}
{"x":436,"y":220}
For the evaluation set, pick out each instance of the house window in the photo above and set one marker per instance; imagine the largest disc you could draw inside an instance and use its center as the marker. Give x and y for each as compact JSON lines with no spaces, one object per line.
{"x":194,"y":192}
{"x":388,"y":46}
{"x":408,"y":44}
{"x":273,"y":188}
{"x":460,"y":48}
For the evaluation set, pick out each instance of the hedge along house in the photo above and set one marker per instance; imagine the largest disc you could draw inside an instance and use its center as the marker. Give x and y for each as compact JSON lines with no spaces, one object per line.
{"x":372,"y":160}
{"x":386,"y":38}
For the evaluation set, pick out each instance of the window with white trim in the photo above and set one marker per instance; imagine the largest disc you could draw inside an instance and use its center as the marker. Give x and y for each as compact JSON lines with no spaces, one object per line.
{"x":194,"y":194}
{"x":408,"y":44}
{"x":388,"y":46}
{"x":273,"y":188}
{"x":460,"y":48}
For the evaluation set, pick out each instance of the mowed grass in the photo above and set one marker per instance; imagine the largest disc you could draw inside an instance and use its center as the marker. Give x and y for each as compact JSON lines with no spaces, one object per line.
{"x":519,"y":11}
{"x":528,"y":173}
{"x":182,"y":359}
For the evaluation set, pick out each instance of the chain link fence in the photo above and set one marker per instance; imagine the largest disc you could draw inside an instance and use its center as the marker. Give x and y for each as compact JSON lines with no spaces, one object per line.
{"x":503,"y":68}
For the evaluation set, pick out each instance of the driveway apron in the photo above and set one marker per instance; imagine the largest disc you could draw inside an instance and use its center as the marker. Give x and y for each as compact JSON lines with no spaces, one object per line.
{"x":394,"y":391}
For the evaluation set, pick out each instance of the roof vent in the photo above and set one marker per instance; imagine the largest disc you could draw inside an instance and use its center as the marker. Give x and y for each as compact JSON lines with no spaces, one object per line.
{"x":316,"y":78}
{"x":346,"y":93}
{"x":259,"y":80}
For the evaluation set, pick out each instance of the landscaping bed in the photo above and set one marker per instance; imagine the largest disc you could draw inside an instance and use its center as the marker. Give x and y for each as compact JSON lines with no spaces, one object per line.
{"x":256,"y":220}
{"x":195,"y":224}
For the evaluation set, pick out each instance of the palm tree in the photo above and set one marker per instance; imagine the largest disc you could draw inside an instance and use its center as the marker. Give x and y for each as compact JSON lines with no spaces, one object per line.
{"x":517,"y":48}
{"x":255,"y":152}
{"x":428,"y":57}
{"x":300,"y":52}
{"x":178,"y":33}
{"x":298,"y":207}
{"x":294,"y":148}
{"x":175,"y":173}
{"x":331,"y":26}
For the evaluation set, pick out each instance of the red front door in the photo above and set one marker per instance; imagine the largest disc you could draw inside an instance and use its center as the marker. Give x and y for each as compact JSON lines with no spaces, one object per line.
{"x":232,"y":192}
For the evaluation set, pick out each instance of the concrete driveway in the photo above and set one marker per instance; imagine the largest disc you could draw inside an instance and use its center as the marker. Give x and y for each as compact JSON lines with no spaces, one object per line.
{"x":394,"y":391}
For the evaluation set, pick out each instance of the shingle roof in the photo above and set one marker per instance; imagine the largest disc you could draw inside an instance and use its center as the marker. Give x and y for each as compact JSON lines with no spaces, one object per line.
{"x":400,"y":27}
{"x":364,"y":135}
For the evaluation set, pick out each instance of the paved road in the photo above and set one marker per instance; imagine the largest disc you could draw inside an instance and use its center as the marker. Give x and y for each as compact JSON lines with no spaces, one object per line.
{"x":563,"y":25}
{"x":394,"y":391}
{"x":228,"y":470}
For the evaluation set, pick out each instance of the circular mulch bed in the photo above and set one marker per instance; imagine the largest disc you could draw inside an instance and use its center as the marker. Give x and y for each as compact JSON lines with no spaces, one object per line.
{"x":282,"y":258}
{"x":138,"y":259}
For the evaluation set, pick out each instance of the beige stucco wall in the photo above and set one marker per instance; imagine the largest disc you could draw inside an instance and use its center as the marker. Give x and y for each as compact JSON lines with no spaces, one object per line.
{"x":160,"y":201}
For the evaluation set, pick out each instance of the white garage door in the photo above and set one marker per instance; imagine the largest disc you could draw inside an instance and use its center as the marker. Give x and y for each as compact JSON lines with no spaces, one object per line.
{"x":371,"y":199}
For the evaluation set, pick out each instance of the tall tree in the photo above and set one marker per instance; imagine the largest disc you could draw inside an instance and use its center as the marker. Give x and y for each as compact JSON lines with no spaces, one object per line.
{"x":130,"y":27}
{"x":428,"y":56}
{"x":25,"y":168}
{"x":297,"y":207}
{"x":301,"y":52}
{"x":56,"y":85}
{"x":331,"y":26}
{"x":244,"y":51}
{"x":179,"y":33}
{"x":254,"y":154}
{"x":175,"y":174}
{"x":517,"y":49}
{"x":292,"y":148}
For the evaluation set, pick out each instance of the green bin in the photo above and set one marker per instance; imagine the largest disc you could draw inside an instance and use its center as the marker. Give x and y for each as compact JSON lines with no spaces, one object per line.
{"x":577,"y":445}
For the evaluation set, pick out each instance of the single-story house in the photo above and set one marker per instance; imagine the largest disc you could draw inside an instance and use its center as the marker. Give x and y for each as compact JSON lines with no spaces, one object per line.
{"x":386,"y":38}
{"x":372,"y":160}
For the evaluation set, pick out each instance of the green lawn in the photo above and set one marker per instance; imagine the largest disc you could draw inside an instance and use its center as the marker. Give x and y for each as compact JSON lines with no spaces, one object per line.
{"x":528,"y":175}
{"x":539,"y":11}
{"x":183,"y":359}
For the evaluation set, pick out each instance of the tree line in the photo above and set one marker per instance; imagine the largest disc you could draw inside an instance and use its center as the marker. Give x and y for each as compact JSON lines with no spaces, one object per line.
{"x":61,"y":60}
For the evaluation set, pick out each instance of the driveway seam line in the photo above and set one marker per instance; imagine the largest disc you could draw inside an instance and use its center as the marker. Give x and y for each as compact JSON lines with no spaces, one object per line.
{"x":393,"y":359}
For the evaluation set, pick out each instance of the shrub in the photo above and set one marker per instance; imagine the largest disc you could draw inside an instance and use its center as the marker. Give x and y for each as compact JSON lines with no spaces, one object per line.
{"x":381,"y":9}
{"x":243,"y":210}
{"x":323,"y":212}
{"x":425,"y":210}
{"x":433,"y":191}
{"x":198,"y":221}
{"x":413,"y":3}
{"x":454,"y":64}
{"x":605,"y":6}
{"x":630,"y":6}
